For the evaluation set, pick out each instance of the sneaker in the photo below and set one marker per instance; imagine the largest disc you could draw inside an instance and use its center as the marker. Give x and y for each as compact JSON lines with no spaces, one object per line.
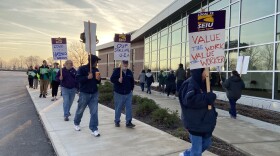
{"x":77,"y":128}
{"x":95,"y":133}
{"x":52,"y":99}
{"x":40,"y":95}
{"x":130,"y":125}
{"x":66,"y":119}
{"x":181,"y":154}
{"x":117,"y":124}
{"x":44,"y":96}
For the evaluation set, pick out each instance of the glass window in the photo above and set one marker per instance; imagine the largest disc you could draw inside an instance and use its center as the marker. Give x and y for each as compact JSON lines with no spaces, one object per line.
{"x":184,"y":34}
{"x":163,"y":54}
{"x":278,"y":28}
{"x":277,"y":53}
{"x":187,"y":62}
{"x":219,"y":5}
{"x":232,"y":1}
{"x":169,"y":39}
{"x":227,"y":16}
{"x":154,"y":37}
{"x":252,"y":10}
{"x":154,"y":66}
{"x":163,"y":65}
{"x":154,"y":45}
{"x":277,"y":86}
{"x":226,"y":38}
{"x":215,"y":78}
{"x":234,"y":14}
{"x":175,"y":63}
{"x":146,"y":65}
{"x":176,"y":51}
{"x":233,"y":41}
{"x":164,"y":32}
{"x":147,"y":46}
{"x":258,"y":84}
{"x":147,"y":40}
{"x":183,"y":50}
{"x":177,"y":25}
{"x":154,"y":56}
{"x":261,"y":57}
{"x":176,"y":37}
{"x":147,"y":57}
{"x":278,"y":7}
{"x":163,"y":41}
{"x":232,"y":60}
{"x":257,"y":32}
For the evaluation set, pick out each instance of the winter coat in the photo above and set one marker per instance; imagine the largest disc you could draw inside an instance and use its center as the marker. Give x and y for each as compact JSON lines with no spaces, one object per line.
{"x":127,"y":84}
{"x":194,"y":101}
{"x":87,"y":85}
{"x":142,"y":78}
{"x":149,"y":78}
{"x":44,"y":76}
{"x":170,"y":82}
{"x":181,"y":74}
{"x":161,"y":79}
{"x":233,"y":87}
{"x":53,"y":72}
{"x":69,"y":78}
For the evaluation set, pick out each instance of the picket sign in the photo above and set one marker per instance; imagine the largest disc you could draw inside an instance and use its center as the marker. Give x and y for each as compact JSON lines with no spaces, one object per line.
{"x":59,"y":47}
{"x":242,"y":64}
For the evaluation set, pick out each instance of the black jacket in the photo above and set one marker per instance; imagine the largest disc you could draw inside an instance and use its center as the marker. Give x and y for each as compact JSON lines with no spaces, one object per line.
{"x":127,"y":84}
{"x":87,"y":85}
{"x":233,"y":87}
{"x":194,"y":101}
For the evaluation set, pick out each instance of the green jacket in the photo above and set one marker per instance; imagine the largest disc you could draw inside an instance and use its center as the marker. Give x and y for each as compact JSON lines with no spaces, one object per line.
{"x":161,"y":78}
{"x":53,"y":72}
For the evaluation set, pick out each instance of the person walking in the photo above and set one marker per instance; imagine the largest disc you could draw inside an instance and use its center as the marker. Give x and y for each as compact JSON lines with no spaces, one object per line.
{"x":68,"y":86}
{"x":31,"y":75}
{"x":161,"y":81}
{"x":149,"y":80}
{"x":123,"y":88}
{"x":141,"y":79}
{"x":233,"y":86}
{"x":88,"y":81}
{"x":44,"y":79}
{"x":198,"y":112}
{"x":54,"y":81}
{"x":36,"y":78}
{"x":170,"y":83}
{"x":180,"y":76}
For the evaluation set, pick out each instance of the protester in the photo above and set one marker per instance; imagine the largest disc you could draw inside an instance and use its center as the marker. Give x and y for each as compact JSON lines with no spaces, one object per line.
{"x":149,"y":80}
{"x":170,"y":83}
{"x":68,"y":86}
{"x":161,"y":81}
{"x":198,"y":112}
{"x":44,"y":79}
{"x":233,"y":87}
{"x":141,"y":79}
{"x":36,"y":77}
{"x":123,"y":87}
{"x":88,"y":81}
{"x":181,"y":76}
{"x":31,"y":75}
{"x":54,"y":81}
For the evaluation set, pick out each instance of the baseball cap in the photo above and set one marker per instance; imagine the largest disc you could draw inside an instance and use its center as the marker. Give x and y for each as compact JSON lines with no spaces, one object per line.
{"x":125,"y":62}
{"x":94,"y":58}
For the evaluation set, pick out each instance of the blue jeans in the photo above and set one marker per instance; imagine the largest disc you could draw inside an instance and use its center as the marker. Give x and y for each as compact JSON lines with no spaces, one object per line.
{"x":199,"y":145}
{"x":119,"y":101}
{"x":90,"y":100}
{"x":232,"y":110}
{"x":149,"y":88}
{"x":142,"y":85}
{"x":68,"y":98}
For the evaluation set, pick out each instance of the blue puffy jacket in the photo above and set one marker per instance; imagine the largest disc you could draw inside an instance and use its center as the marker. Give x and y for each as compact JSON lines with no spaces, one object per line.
{"x":194,"y":101}
{"x":127,"y":84}
{"x":87,"y":85}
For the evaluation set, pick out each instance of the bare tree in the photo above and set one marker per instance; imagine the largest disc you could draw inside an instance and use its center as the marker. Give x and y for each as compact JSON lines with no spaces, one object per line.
{"x":21,"y":61}
{"x":15,"y":63}
{"x":50,"y":60}
{"x":78,"y":54}
{"x":268,"y":57}
{"x":33,"y":61}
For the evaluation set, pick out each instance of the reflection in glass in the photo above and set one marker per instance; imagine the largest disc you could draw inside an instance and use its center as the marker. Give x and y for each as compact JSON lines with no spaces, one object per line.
{"x":277,"y":53}
{"x":215,"y":78}
{"x":252,"y":10}
{"x":163,"y":65}
{"x":154,"y":66}
{"x":176,"y":51}
{"x":175,"y":63}
{"x":154,"y":45}
{"x":278,"y":28}
{"x":232,"y":60}
{"x":176,"y":37}
{"x":277,"y":86}
{"x":261,"y":57}
{"x":257,"y":32}
{"x":258,"y":84}
{"x":234,"y":13}
{"x":163,"y":42}
{"x":147,"y":57}
{"x":154,"y":56}
{"x":233,"y":41}
{"x":163,"y":54}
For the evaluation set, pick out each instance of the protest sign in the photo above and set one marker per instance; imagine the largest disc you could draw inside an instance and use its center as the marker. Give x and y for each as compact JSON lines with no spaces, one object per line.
{"x":90,"y":35}
{"x":242,"y":64}
{"x":44,"y":70}
{"x":207,"y":39}
{"x":122,"y":47}
{"x":31,"y":73}
{"x":59,"y":47}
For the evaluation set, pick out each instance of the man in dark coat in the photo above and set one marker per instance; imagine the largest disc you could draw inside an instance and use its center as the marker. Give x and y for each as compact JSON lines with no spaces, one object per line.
{"x":198,"y":112}
{"x":233,"y":87}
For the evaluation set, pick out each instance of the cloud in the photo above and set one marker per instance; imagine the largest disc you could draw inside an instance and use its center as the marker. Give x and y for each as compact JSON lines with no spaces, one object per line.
{"x":31,"y":29}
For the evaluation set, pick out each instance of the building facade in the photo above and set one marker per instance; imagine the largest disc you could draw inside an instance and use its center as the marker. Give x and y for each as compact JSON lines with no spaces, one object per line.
{"x":252,"y":29}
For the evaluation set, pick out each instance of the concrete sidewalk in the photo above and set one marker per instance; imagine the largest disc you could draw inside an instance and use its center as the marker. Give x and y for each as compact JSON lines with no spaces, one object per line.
{"x":251,"y":136}
{"x":144,"y":140}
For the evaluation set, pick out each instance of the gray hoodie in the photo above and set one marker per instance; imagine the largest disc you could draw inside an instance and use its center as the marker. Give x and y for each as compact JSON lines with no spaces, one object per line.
{"x":142,"y":77}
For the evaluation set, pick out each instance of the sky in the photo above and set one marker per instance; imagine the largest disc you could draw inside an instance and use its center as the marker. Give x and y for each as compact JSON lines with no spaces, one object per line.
{"x":27,"y":26}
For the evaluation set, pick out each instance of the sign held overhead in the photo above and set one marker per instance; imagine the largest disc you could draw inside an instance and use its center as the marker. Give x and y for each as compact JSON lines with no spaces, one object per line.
{"x":59,"y":47}
{"x":122,"y":47}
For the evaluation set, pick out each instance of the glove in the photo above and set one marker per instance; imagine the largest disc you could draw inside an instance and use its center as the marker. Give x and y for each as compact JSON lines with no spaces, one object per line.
{"x":210,"y":97}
